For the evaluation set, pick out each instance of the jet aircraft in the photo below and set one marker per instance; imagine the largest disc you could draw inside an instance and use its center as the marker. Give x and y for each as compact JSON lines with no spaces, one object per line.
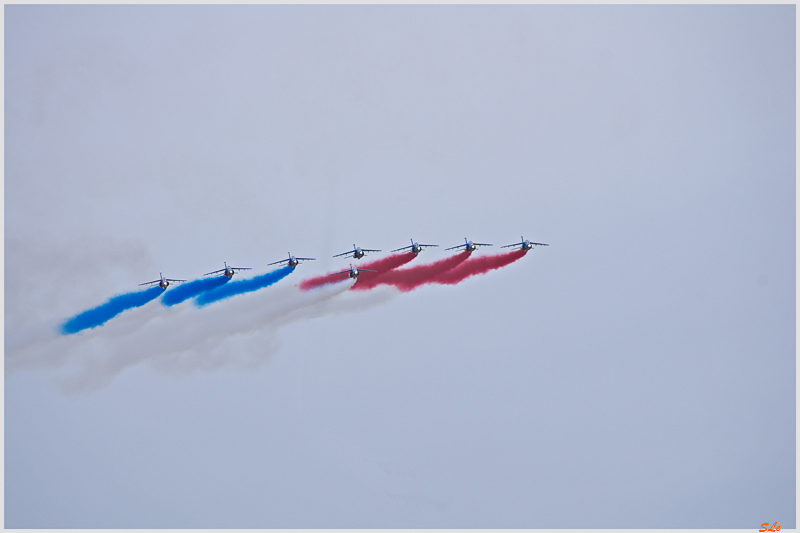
{"x":353,"y":272}
{"x":415,"y":247}
{"x":228,"y":271}
{"x":357,"y":252}
{"x":525,"y":245}
{"x":468,"y":246}
{"x":163,"y":282}
{"x":292,"y":261}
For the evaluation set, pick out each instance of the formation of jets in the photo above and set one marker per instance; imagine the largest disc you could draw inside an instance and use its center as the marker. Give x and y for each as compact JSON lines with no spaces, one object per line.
{"x":356,"y":253}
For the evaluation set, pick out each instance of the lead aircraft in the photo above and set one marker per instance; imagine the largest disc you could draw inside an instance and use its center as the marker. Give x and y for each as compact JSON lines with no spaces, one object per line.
{"x":525,"y":245}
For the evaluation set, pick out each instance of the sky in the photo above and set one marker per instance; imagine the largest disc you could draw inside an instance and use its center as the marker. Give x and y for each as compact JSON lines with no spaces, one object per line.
{"x":637,"y":372}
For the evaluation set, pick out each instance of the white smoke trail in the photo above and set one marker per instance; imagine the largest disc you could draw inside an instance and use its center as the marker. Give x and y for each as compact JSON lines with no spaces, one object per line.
{"x":241,"y":332}
{"x":252,"y":341}
{"x":180,"y":340}
{"x":41,"y":291}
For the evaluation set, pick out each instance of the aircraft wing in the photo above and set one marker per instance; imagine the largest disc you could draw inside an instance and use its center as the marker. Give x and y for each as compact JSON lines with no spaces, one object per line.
{"x":399,"y":249}
{"x":365,"y":270}
{"x":345,"y":253}
{"x":481,"y":244}
{"x":342,"y":272}
{"x":176,"y":280}
{"x":305,"y":258}
{"x":277,"y":262}
{"x":515,"y":244}
{"x":540,"y":244}
{"x":241,"y":268}
{"x":455,"y":247}
{"x":428,"y":245}
{"x":215,"y":272}
{"x":368,"y":250}
{"x":151,"y":282}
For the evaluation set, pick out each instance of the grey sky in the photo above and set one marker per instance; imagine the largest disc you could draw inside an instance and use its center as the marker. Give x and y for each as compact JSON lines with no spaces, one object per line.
{"x":638,"y":372}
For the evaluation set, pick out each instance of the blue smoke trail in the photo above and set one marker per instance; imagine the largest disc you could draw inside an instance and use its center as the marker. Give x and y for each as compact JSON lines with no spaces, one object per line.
{"x":246,"y":285}
{"x":193,"y":288}
{"x":103,"y":313}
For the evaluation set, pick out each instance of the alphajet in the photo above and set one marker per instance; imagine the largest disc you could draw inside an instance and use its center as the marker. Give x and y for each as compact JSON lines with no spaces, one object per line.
{"x":353,"y":272}
{"x":228,"y":271}
{"x":357,"y":252}
{"x":292,"y":261}
{"x":163,"y":282}
{"x":415,"y":247}
{"x":525,"y":245}
{"x":468,"y":246}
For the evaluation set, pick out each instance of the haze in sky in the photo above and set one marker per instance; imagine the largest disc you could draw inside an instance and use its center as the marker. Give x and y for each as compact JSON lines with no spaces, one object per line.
{"x":637,"y":372}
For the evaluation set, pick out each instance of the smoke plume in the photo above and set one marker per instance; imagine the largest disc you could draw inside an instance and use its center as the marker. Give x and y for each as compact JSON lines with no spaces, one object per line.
{"x":478,"y":265}
{"x":241,"y":287}
{"x":387,"y":264}
{"x":408,"y":279}
{"x":105,"y":312}
{"x":183,"y":292}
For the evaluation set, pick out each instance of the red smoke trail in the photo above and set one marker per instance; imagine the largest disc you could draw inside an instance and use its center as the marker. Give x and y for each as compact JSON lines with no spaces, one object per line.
{"x":382,"y":266}
{"x":409,"y":279}
{"x":386,"y":264}
{"x":480,"y":265}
